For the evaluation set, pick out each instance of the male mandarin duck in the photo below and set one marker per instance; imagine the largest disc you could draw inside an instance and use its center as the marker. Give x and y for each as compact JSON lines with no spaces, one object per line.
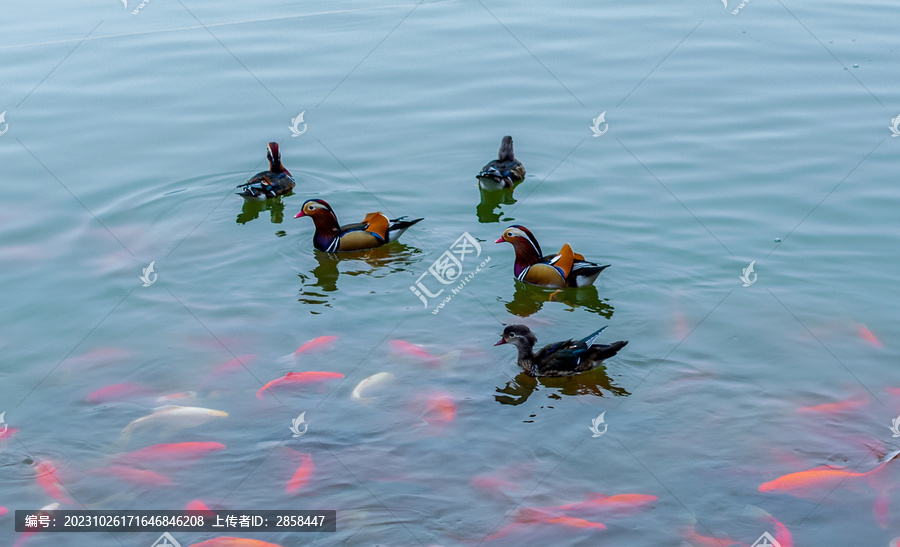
{"x":503,"y":172}
{"x":374,"y":231}
{"x":564,"y":269}
{"x":560,"y":359}
{"x":276,"y":181}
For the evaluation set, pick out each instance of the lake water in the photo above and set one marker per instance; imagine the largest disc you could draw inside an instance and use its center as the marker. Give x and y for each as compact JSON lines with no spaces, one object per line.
{"x":755,"y":132}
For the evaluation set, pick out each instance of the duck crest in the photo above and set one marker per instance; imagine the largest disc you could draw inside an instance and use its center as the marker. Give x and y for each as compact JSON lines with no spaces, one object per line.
{"x":506,"y":149}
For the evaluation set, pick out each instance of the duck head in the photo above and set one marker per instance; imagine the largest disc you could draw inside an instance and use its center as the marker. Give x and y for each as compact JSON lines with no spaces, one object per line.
{"x":519,"y":336}
{"x":506,"y":149}
{"x":274,"y":155}
{"x":528,"y":250}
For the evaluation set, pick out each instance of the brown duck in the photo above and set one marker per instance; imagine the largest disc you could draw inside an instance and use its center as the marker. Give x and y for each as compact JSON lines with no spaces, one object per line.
{"x":565,"y":358}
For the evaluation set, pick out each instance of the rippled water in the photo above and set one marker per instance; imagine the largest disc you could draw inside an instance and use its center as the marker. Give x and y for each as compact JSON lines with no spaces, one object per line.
{"x":757,"y":136}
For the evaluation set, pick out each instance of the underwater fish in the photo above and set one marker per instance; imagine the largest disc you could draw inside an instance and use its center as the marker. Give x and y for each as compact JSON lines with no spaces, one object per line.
{"x":294,"y":378}
{"x":370,"y":382}
{"x":172,"y":417}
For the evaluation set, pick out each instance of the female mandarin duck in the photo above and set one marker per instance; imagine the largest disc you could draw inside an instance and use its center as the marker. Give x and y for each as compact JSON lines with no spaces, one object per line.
{"x":503,"y":172}
{"x":564,"y":269}
{"x":277,"y":181}
{"x":374,"y":231}
{"x":560,"y":359}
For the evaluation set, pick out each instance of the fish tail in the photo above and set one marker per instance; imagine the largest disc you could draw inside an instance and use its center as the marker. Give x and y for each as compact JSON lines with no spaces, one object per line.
{"x":449,"y":359}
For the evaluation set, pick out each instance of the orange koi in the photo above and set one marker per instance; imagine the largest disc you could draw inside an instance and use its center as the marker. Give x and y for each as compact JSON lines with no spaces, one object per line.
{"x":322,"y":342}
{"x":834,"y":408}
{"x":3,"y":511}
{"x":171,"y":451}
{"x":299,"y":378}
{"x":225,"y":541}
{"x":867,"y":335}
{"x":402,"y":346}
{"x":535,"y":515}
{"x":140,"y":477}
{"x":818,"y":477}
{"x":237,"y":362}
{"x":697,"y":540}
{"x":8,"y":434}
{"x":893,"y":390}
{"x":117,"y":392}
{"x":595,"y":501}
{"x":492,"y":484}
{"x":49,"y":483}
{"x":441,"y":408}
{"x":303,"y":474}
{"x":197,"y":505}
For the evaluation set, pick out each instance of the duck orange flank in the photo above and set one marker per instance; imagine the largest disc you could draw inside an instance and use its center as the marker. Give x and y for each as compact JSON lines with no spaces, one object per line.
{"x":564,"y":269}
{"x":374,"y":231}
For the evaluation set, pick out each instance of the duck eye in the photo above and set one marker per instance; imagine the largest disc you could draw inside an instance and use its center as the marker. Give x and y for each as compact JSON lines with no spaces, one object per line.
{"x":512,"y":335}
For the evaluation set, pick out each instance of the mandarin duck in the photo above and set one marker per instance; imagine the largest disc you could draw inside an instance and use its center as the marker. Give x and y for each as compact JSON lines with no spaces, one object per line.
{"x":564,"y":269}
{"x":374,"y":231}
{"x":503,"y":172}
{"x":277,"y":181}
{"x":565,"y":358}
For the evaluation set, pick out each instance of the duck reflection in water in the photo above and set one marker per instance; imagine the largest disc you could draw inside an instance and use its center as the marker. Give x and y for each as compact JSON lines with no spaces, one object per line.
{"x":529,"y":299}
{"x":491,"y":200}
{"x":593,"y":382}
{"x":252,"y":209}
{"x":377,"y":262}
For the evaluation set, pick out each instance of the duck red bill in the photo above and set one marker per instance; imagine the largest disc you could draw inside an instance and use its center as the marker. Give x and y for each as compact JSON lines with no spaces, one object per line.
{"x":502,"y":341}
{"x":300,"y":214}
{"x":499,"y":240}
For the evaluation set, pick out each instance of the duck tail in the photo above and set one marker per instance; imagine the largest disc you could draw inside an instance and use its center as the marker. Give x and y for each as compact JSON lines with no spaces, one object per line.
{"x":600,"y":352}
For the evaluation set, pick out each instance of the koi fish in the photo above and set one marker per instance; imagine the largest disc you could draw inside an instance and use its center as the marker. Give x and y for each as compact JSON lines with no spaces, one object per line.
{"x":171,"y":451}
{"x":299,"y":378}
{"x":534,"y":515}
{"x":235,"y":363}
{"x":174,"y":417}
{"x":23,"y":537}
{"x":225,"y":541}
{"x":8,"y":433}
{"x":3,"y":511}
{"x":301,"y":477}
{"x":818,"y":477}
{"x":197,"y":505}
{"x":867,"y":335}
{"x":117,"y":392}
{"x":49,"y":483}
{"x":893,"y":390}
{"x":140,"y":477}
{"x":594,"y":501}
{"x":370,"y":382}
{"x":413,"y":350}
{"x":835,"y":408}
{"x":320,"y":343}
{"x":698,"y":540}
{"x":492,"y":484}
{"x":440,"y":409}
{"x":182,"y":396}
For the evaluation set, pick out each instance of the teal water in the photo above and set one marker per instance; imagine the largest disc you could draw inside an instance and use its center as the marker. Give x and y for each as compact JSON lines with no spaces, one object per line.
{"x":127,"y":134}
